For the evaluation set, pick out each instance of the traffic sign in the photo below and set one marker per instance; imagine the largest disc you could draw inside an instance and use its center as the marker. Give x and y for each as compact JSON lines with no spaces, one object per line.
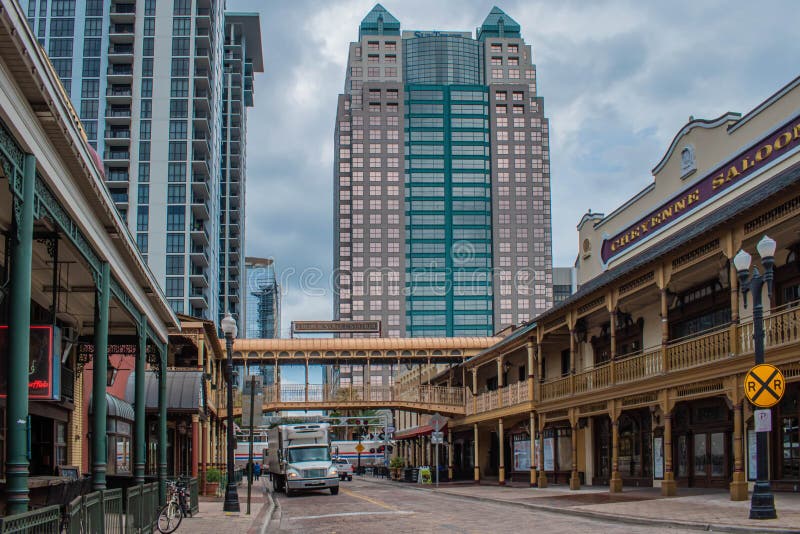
{"x":437,"y":421}
{"x":360,"y":448}
{"x":437,"y":438}
{"x":763,"y":419}
{"x":764,"y":385}
{"x":390,"y":430}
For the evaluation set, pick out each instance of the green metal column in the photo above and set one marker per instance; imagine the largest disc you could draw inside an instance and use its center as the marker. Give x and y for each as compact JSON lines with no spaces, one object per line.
{"x":19,"y":334}
{"x":99,"y":377}
{"x":162,"y":427}
{"x":139,"y":401}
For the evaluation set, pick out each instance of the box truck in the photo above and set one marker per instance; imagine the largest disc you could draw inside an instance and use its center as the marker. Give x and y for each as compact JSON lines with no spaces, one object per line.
{"x":299,"y":458}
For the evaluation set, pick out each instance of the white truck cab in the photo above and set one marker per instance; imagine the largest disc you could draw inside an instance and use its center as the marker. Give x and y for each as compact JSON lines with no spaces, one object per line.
{"x":299,"y":458}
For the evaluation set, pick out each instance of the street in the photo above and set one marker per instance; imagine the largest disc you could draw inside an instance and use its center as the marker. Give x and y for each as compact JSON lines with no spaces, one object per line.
{"x":364,"y":506}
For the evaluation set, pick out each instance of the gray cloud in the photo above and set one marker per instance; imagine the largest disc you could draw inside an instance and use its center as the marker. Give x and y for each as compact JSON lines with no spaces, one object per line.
{"x":619,"y":79}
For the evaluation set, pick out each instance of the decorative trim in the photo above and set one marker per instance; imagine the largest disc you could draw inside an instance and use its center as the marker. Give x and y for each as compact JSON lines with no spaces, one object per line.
{"x":700,"y":388}
{"x":787,"y":209}
{"x":599,"y":301}
{"x":698,"y":123}
{"x":637,"y":283}
{"x":640,"y":400}
{"x":593,"y":408}
{"x":695,"y":254}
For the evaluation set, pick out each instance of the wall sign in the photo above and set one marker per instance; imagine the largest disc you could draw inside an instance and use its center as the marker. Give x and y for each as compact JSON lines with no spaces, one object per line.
{"x":316,"y":327}
{"x":44,"y":367}
{"x":658,"y":458}
{"x":765,"y":151}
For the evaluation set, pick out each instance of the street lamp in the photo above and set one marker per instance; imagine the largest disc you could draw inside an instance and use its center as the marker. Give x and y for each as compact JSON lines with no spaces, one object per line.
{"x":228,"y":325}
{"x":762,"y":503}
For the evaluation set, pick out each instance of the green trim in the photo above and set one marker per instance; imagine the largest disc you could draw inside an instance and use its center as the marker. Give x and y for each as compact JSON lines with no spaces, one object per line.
{"x":99,"y":368}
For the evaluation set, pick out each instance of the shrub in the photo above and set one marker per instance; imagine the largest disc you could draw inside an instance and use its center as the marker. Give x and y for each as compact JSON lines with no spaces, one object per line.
{"x":213,"y":475}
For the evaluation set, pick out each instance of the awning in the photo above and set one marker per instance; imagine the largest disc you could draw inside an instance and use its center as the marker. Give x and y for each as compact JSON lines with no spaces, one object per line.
{"x":117,"y":408}
{"x":184,"y":391}
{"x":413,"y":432}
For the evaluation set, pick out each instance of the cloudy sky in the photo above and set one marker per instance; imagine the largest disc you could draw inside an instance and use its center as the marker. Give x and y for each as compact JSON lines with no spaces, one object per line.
{"x":619,"y":79}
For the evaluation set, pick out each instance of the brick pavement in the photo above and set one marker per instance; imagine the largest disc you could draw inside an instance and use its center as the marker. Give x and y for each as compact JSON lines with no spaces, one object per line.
{"x":696,"y":508}
{"x":212,"y":520}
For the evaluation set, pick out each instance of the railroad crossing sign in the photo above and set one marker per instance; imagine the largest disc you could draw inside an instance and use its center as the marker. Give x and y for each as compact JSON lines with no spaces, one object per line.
{"x":437,"y":421}
{"x":359,"y":448}
{"x":764,"y":385}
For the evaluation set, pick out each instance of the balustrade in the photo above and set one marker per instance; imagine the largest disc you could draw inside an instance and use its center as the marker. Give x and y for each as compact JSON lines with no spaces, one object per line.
{"x":701,"y":350}
{"x":639,"y":366}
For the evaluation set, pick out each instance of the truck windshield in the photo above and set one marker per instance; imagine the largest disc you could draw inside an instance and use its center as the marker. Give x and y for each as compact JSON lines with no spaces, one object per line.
{"x":309,"y":454}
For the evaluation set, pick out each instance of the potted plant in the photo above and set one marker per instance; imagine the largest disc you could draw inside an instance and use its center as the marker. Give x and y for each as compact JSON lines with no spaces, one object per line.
{"x":213,"y":478}
{"x":396,"y":464}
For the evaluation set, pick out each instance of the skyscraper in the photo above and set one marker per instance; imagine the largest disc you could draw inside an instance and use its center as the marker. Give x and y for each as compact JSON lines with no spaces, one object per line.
{"x":442,"y":180}
{"x":242,"y":58}
{"x":263,"y":299}
{"x":146,"y":78}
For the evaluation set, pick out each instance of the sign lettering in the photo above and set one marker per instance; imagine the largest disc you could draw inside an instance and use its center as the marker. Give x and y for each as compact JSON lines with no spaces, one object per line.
{"x":734,"y":171}
{"x":368,"y":327}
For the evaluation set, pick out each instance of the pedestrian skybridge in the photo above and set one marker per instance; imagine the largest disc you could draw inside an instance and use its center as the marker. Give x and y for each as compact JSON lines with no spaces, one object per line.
{"x":406,"y":358}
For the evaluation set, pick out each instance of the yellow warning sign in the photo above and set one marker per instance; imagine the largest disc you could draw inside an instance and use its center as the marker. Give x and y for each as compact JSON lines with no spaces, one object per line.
{"x":359,"y":448}
{"x":764,"y":385}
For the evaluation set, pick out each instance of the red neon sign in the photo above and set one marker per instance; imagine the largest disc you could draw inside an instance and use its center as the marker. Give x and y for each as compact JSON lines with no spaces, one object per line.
{"x":42,"y":367}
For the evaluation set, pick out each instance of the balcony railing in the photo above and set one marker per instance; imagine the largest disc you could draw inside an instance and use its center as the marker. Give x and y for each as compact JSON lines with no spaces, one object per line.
{"x":510,"y":395}
{"x":781,"y":328}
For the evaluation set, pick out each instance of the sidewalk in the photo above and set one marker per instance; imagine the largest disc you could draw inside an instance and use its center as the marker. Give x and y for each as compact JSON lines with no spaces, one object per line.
{"x":212,"y":520}
{"x":692,"y":508}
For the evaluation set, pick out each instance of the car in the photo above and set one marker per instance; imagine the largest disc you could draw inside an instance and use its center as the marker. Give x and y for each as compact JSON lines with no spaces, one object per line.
{"x":345,"y":469}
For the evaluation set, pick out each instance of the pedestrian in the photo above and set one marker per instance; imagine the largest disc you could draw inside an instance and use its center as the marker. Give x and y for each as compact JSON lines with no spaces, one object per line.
{"x":257,"y":470}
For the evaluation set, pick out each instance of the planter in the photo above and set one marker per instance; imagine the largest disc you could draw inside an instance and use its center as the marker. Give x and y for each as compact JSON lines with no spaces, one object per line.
{"x":396,"y":473}
{"x":211,"y":489}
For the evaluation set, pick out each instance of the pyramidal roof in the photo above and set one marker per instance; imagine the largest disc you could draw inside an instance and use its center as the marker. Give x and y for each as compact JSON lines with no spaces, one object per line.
{"x":379,"y":22}
{"x":498,"y":24}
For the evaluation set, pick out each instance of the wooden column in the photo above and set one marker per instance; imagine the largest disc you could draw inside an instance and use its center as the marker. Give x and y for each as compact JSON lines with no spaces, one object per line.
{"x":739,"y":484}
{"x":668,"y":485}
{"x":474,"y":390}
{"x":476,"y":461}
{"x":574,"y":479}
{"x":530,"y":347}
{"x":734,"y":331}
{"x":532,"y":426}
{"x":195,"y":446}
{"x":664,"y":329}
{"x":501,"y":477}
{"x":572,"y":360}
{"x":542,"y":479}
{"x":203,"y":455}
{"x":615,"y":485}
{"x":500,"y":381}
{"x":449,"y":455}
{"x":613,"y":333}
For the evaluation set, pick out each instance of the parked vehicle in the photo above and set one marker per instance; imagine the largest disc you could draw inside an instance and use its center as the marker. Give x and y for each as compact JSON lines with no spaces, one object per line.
{"x":345,"y":469}
{"x":299,"y":458}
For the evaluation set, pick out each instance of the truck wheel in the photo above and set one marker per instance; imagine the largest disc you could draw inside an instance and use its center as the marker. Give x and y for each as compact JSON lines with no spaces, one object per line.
{"x":335,"y":490}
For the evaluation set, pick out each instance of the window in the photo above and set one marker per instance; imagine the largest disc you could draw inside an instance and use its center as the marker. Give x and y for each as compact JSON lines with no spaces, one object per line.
{"x":177,"y":151}
{"x":142,"y":218}
{"x":181,"y":26}
{"x":175,"y":265}
{"x":496,"y":48}
{"x":143,"y":194}
{"x":175,"y":243}
{"x":177,"y":130}
{"x":176,"y":194}
{"x":174,"y":287}
{"x":142,"y":242}
{"x":176,"y":218}
{"x":179,"y":88}
{"x":180,"y":67}
{"x":176,"y":172}
{"x":178,"y":109}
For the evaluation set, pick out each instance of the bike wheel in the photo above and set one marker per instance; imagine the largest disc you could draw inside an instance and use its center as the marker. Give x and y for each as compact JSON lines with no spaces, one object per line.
{"x":169,"y":518}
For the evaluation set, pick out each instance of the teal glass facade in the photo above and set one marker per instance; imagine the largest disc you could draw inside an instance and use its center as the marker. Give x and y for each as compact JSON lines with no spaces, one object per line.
{"x":448,"y":211}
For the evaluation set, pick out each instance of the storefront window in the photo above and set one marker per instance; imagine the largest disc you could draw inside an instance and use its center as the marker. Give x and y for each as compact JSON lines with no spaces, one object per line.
{"x":522,"y":452}
{"x":61,"y":443}
{"x":790,"y":435}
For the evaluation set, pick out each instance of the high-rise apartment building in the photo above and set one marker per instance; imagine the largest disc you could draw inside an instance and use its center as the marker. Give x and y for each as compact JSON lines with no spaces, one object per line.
{"x":242,"y":58}
{"x":442,"y":181}
{"x":565,"y":283}
{"x":263,"y":300}
{"x":146,"y":79}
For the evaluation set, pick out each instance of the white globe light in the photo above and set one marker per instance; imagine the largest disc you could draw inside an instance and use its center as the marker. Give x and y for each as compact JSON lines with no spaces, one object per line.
{"x":742,"y":261}
{"x":766,"y":247}
{"x":228,"y":325}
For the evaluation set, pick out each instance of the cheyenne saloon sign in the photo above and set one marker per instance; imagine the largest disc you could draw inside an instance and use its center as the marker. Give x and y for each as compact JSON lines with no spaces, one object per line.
{"x":736,"y":170}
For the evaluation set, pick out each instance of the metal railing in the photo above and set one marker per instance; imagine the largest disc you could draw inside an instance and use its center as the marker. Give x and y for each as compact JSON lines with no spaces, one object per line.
{"x":42,"y":521}
{"x":141,"y":506}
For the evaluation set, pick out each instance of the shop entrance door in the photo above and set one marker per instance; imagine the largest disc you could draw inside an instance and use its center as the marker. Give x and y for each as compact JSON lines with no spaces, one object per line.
{"x":710,"y":460}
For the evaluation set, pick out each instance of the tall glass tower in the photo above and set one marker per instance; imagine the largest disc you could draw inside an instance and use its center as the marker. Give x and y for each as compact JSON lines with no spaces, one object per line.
{"x":146,"y":78}
{"x":442,"y":181}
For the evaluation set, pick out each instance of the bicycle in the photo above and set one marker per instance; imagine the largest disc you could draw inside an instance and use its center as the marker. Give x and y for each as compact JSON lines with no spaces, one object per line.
{"x":177,"y":507}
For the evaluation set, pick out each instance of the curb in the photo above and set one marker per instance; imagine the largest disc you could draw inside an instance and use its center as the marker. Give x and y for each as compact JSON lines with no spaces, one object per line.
{"x":608,"y":517}
{"x":270,"y":511}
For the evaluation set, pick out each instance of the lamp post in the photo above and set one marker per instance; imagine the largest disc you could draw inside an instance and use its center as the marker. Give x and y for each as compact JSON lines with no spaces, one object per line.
{"x":762,"y":503}
{"x":228,"y":325}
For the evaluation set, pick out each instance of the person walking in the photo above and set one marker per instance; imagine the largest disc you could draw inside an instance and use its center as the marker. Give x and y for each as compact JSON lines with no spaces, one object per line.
{"x":257,"y":471}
